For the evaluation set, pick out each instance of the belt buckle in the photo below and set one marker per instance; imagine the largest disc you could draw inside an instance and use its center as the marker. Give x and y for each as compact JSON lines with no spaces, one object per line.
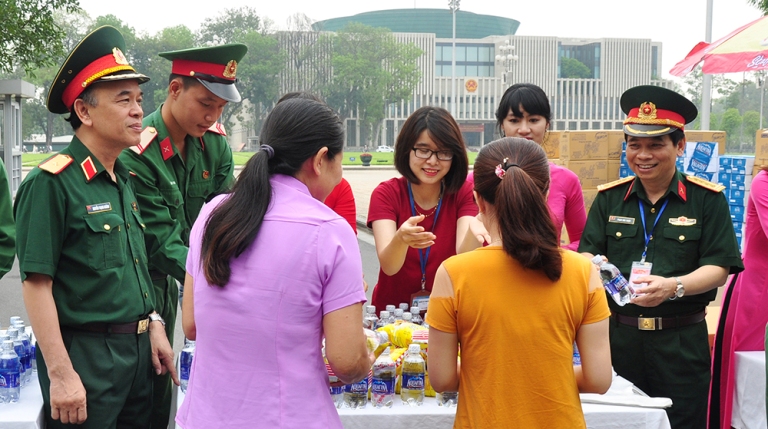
{"x":648,"y":323}
{"x":143,"y":326}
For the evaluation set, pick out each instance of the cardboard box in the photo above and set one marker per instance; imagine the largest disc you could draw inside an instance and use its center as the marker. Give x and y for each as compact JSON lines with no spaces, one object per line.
{"x":708,"y":136}
{"x":551,"y":144}
{"x":613,"y":169}
{"x":759,"y":163}
{"x":584,"y":145}
{"x":761,"y":144}
{"x":615,"y":143}
{"x":591,"y":173}
{"x":589,"y":197}
{"x":557,"y":161}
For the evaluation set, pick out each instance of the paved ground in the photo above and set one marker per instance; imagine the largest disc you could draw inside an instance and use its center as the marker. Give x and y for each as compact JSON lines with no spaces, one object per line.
{"x":363,"y":181}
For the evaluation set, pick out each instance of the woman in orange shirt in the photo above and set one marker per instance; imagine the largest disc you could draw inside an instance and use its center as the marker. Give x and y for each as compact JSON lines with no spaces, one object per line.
{"x":516,"y":307}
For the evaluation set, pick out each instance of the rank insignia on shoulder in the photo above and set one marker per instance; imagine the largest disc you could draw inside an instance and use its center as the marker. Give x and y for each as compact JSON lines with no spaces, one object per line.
{"x":149,"y":134}
{"x":615,"y":183}
{"x":218,"y":129}
{"x":56,"y":164}
{"x":706,"y":184}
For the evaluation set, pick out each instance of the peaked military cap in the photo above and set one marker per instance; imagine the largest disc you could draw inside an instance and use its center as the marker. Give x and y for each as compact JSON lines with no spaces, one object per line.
{"x":655,"y":111}
{"x":215,"y":67}
{"x":97,"y":58}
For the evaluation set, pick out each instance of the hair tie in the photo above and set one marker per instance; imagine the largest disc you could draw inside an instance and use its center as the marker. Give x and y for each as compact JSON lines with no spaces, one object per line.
{"x":268,"y":149}
{"x":502,"y":168}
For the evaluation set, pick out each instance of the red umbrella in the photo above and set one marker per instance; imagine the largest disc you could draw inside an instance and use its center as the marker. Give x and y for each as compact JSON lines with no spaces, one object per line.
{"x":745,"y":49}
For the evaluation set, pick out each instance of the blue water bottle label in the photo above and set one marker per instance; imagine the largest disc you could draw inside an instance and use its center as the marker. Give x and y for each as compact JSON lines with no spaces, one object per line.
{"x":186,"y":364}
{"x":359,"y":387}
{"x":9,"y":379}
{"x":382,"y":386}
{"x":413,"y":381}
{"x":616,"y":284}
{"x":337,"y":390}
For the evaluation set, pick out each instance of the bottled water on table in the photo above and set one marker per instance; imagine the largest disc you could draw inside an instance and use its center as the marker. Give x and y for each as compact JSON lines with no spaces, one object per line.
{"x":415,"y":316}
{"x":185,"y":365}
{"x":18,"y":347}
{"x":399,"y":314}
{"x":390,"y":308}
{"x":383,"y":320}
{"x":26,"y":359}
{"x":356,"y":394}
{"x":370,"y":320}
{"x":614,"y":282}
{"x":337,"y":394}
{"x":447,"y":399}
{"x":413,"y":381}
{"x":403,"y":306}
{"x":9,"y":373}
{"x":576,"y":355}
{"x":383,"y":385}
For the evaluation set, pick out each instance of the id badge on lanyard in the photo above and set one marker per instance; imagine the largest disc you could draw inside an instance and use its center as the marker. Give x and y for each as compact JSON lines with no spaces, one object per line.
{"x":643,"y":268}
{"x":421,"y":298}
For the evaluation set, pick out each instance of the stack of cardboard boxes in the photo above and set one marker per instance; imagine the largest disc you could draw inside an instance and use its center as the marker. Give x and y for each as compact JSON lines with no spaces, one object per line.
{"x":736,"y":175}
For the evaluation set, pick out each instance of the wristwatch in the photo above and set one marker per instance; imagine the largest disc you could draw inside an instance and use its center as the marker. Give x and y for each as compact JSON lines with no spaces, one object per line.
{"x":679,"y":290}
{"x":154,"y":317}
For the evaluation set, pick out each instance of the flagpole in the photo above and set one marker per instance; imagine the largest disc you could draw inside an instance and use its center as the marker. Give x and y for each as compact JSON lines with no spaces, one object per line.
{"x":706,"y":86}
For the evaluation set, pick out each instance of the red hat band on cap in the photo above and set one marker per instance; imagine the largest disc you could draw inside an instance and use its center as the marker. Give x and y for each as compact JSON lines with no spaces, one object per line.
{"x":106,"y":65}
{"x":648,"y":114}
{"x":190,"y":68}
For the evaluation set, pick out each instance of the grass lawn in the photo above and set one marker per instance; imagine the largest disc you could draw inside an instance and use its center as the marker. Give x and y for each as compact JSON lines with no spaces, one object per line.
{"x":32,"y":159}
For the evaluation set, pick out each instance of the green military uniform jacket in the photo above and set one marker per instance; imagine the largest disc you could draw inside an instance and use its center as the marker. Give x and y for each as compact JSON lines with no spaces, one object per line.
{"x":172,"y":191}
{"x":695,"y":230}
{"x":84,"y":230}
{"x":7,"y":226}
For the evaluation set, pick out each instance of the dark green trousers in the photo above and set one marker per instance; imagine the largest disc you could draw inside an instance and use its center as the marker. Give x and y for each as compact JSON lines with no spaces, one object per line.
{"x":166,"y":303}
{"x":673,"y":363}
{"x":116,"y":371}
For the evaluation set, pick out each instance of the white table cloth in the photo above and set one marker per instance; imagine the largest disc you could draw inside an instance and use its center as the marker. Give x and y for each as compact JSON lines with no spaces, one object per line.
{"x":749,"y":394}
{"x":28,"y":412}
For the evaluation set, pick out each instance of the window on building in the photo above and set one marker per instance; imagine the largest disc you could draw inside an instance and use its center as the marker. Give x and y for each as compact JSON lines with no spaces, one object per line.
{"x":578,"y":61}
{"x":472,"y":59}
{"x":654,"y":62}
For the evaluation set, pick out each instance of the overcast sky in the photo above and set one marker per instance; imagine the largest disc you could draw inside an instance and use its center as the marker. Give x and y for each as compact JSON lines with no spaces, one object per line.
{"x":678,"y":24}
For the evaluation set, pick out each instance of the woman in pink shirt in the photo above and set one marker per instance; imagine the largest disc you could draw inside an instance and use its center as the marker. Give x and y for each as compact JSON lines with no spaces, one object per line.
{"x":524,"y":112}
{"x":271,"y":270}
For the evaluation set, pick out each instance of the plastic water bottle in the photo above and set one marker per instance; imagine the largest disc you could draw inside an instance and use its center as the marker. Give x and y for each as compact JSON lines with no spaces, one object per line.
{"x":9,"y":373}
{"x":383,"y":320}
{"x":416,"y":316}
{"x":356,"y":394}
{"x":18,"y":347}
{"x":26,"y":358}
{"x":407,"y":317}
{"x":370,"y":320}
{"x":13,"y":319}
{"x":398,"y":314}
{"x":414,"y":372}
{"x":337,"y":394}
{"x":576,"y":355}
{"x":613,"y":281}
{"x":447,"y":399}
{"x":33,"y":351}
{"x":383,"y":385}
{"x":187,"y":355}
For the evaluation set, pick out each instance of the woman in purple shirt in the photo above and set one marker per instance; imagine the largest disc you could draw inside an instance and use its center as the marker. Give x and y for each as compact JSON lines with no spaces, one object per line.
{"x":271,"y":271}
{"x":524,"y":112}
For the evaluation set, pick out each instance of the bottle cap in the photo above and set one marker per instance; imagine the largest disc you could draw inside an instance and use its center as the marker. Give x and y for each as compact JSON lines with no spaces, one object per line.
{"x":12,"y":333}
{"x":404,"y":306}
{"x":414,"y":348}
{"x":370,"y":309}
{"x":415,"y":310}
{"x":407,"y":316}
{"x":390,"y":308}
{"x":597,"y":259}
{"x":398,"y":312}
{"x":384,"y":314}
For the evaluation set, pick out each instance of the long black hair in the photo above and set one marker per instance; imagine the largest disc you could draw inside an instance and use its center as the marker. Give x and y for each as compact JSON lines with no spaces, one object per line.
{"x":512,"y":174}
{"x":294,"y":131}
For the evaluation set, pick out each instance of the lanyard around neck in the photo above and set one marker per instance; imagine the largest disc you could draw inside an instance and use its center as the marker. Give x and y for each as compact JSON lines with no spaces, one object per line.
{"x":649,"y":236}
{"x":424,"y":255}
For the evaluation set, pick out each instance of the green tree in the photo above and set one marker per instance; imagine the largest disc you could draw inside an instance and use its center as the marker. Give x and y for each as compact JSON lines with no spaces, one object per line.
{"x":230,"y":25}
{"x":750,"y":124}
{"x":30,"y":37}
{"x":371,"y":70}
{"x":571,"y":68}
{"x":762,"y":5}
{"x":731,"y":124}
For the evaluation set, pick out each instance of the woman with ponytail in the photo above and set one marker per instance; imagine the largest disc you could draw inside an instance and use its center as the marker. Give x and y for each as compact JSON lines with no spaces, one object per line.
{"x":270,"y":271}
{"x":517,"y":306}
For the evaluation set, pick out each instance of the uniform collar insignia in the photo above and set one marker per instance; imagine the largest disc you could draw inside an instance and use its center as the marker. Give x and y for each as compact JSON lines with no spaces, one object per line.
{"x":166,"y":148}
{"x":89,"y":168}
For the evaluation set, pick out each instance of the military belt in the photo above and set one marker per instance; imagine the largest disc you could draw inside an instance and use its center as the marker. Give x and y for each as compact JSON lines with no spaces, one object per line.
{"x":660,"y":323}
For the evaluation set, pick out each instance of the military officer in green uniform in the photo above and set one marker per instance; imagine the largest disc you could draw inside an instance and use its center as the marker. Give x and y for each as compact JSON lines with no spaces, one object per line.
{"x":82,"y":256}
{"x":678,"y":228}
{"x":183,"y":161}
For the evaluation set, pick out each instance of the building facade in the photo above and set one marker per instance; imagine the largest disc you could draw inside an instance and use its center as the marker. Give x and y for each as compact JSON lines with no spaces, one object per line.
{"x":584,"y":78}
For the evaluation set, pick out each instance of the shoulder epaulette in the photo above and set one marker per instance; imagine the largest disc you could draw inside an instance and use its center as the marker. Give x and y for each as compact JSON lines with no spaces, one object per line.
{"x":56,"y":164}
{"x":706,"y":184}
{"x":615,"y":183}
{"x":149,"y":134}
{"x":218,"y":129}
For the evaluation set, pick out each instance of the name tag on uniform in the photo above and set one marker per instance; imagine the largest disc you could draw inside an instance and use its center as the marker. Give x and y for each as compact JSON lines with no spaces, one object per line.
{"x":621,"y":219}
{"x":98,"y":208}
{"x":682,"y":221}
